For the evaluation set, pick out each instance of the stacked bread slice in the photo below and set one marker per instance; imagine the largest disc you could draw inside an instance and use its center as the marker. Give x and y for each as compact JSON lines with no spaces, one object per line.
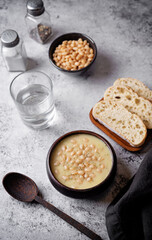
{"x":129,"y":99}
{"x":136,"y":85}
{"x":126,"y":110}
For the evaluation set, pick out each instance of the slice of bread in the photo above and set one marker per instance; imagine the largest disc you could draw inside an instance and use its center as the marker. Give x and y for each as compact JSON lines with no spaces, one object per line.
{"x":136,"y":85}
{"x":118,"y":119}
{"x":132,"y":102}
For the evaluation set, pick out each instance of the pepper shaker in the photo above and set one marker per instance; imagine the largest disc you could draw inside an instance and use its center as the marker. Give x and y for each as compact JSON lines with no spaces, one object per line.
{"x":13,"y":51}
{"x":38,"y":21}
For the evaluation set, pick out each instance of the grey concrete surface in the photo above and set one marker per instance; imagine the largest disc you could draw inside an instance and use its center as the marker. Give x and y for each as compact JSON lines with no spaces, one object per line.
{"x":122,"y":31}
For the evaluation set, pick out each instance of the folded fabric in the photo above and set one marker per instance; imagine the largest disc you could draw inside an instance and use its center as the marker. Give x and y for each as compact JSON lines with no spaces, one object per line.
{"x":129,"y":216}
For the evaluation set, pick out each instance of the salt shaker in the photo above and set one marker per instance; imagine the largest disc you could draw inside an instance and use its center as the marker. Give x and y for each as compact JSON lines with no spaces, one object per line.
{"x":38,"y":21}
{"x":13,"y":51}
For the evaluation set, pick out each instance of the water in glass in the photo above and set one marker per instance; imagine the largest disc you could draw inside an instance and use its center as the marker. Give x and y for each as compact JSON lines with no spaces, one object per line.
{"x":36,"y":105}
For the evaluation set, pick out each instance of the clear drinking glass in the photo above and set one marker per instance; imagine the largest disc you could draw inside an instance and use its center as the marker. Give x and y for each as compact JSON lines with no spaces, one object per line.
{"x":32,"y":92}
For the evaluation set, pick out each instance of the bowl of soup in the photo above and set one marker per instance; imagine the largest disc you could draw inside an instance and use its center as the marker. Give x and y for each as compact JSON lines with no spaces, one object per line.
{"x":81,"y":163}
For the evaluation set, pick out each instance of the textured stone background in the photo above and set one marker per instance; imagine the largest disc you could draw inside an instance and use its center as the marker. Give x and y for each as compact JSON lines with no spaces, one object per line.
{"x":122,"y":31}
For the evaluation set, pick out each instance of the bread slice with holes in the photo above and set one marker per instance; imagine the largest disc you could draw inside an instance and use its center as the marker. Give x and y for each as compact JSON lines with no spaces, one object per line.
{"x":132,"y":102}
{"x":141,"y":89}
{"x":118,"y":119}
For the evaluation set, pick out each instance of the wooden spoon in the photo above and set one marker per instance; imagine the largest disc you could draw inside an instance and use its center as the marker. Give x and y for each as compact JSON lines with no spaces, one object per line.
{"x":24,"y":189}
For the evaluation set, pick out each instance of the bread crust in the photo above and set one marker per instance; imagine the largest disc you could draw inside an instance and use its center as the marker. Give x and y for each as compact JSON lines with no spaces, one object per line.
{"x":137,"y":86}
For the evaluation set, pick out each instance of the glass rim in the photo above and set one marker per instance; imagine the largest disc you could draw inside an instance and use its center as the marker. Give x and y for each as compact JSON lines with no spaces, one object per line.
{"x":22,"y":73}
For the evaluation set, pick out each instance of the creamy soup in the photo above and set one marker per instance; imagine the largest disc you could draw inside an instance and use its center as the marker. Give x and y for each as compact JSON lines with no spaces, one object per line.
{"x":81,"y":161}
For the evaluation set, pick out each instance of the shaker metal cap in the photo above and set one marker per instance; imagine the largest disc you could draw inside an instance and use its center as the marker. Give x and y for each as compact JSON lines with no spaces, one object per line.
{"x":35,"y":7}
{"x":9,"y":38}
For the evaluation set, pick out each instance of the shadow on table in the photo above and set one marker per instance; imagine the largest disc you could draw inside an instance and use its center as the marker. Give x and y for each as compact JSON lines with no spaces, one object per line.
{"x":116,"y":185}
{"x":31,"y":64}
{"x":103,"y":67}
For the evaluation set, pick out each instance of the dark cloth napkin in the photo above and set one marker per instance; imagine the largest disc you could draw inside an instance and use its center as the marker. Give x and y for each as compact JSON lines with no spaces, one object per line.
{"x":129,"y":216}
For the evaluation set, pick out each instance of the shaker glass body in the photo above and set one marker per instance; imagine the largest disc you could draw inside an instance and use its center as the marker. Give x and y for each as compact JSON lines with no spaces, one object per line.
{"x":39,"y":27}
{"x":15,"y":58}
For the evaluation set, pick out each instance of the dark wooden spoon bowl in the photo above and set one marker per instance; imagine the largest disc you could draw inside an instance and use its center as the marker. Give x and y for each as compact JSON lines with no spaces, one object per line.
{"x":20,"y":187}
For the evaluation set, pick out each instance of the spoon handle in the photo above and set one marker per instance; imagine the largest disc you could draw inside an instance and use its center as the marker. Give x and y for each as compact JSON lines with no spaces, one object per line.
{"x":68,"y":219}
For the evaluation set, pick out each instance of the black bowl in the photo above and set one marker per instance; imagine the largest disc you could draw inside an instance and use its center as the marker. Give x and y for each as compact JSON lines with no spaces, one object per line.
{"x":81,"y":193}
{"x":72,"y":36}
